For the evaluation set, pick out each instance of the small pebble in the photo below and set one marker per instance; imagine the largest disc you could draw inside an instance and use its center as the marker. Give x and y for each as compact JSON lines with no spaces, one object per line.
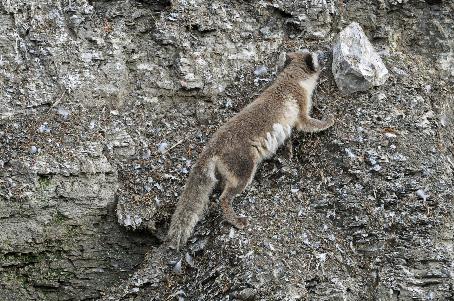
{"x":146,"y":154}
{"x":228,"y":104}
{"x":443,"y":120}
{"x":135,"y":289}
{"x":349,"y":153}
{"x":378,"y":97}
{"x":172,"y":17}
{"x":63,"y":112}
{"x":270,"y":246}
{"x":177,"y":267}
{"x":301,"y":212}
{"x":390,"y":135}
{"x":33,"y":150}
{"x":321,"y":257}
{"x":422,"y":194}
{"x":260,"y":70}
{"x":189,"y":260}
{"x":44,"y":128}
{"x":162,"y":147}
{"x":281,"y":60}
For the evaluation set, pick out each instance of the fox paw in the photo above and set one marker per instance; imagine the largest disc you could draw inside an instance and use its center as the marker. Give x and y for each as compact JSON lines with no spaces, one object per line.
{"x":329,"y":120}
{"x":239,"y":222}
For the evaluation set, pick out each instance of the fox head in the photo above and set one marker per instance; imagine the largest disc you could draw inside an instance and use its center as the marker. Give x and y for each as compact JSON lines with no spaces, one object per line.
{"x":308,"y":61}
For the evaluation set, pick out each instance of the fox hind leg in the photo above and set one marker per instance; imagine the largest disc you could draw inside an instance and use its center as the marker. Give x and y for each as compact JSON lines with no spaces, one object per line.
{"x":227,"y":197}
{"x":238,"y":173}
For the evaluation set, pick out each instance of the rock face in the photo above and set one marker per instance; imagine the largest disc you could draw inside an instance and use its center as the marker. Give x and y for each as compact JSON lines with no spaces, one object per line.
{"x":356,"y":64}
{"x":105,"y":105}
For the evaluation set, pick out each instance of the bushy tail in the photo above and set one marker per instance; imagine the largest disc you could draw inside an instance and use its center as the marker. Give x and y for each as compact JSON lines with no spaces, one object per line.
{"x":192,"y":203}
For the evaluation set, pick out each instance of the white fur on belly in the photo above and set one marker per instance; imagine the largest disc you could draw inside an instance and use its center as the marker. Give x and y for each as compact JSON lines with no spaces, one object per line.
{"x":276,"y":137}
{"x":282,"y":130}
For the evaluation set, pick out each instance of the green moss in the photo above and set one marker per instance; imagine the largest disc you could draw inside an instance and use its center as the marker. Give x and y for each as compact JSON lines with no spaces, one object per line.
{"x":59,"y":218}
{"x":20,"y":259}
{"x":13,"y":279}
{"x":44,"y":181}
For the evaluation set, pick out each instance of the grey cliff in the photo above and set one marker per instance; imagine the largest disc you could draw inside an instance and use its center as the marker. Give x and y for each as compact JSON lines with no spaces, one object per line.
{"x":105,"y":105}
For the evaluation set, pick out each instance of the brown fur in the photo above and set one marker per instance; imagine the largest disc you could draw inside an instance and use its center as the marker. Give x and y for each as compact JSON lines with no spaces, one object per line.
{"x":236,"y":149}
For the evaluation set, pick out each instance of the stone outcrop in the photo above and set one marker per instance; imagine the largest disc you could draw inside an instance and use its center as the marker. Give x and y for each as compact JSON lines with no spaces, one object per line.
{"x":356,"y":64}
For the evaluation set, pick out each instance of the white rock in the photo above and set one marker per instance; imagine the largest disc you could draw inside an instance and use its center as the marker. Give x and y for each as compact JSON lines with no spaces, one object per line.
{"x":350,"y":154}
{"x":44,"y":128}
{"x":260,"y":70}
{"x":162,"y":147}
{"x":422,"y":194}
{"x":356,"y":65}
{"x":63,"y":112}
{"x":177,"y":267}
{"x":189,"y":260}
{"x":33,"y":149}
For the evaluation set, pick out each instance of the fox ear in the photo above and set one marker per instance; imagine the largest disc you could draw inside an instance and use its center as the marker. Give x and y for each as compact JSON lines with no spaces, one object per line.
{"x":310,"y":63}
